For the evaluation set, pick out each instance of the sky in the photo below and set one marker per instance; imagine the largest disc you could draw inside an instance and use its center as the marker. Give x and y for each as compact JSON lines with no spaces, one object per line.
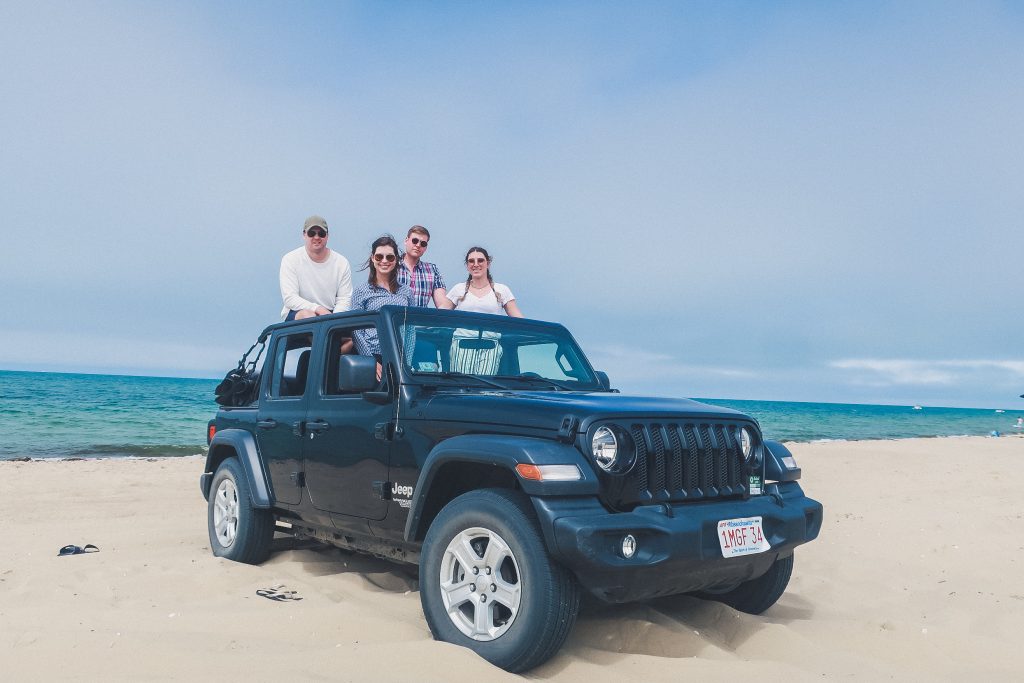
{"x":778,"y":201}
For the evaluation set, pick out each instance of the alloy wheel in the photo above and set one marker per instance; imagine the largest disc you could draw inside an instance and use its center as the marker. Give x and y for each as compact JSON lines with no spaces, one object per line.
{"x":225,"y":513}
{"x":481,"y":586}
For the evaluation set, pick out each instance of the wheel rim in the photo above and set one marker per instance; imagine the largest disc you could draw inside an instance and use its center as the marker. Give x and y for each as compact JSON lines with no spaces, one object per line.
{"x":481,"y":586}
{"x":225,"y":513}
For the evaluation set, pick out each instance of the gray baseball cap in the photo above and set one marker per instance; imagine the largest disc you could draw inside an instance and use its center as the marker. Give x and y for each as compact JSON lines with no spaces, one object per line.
{"x":315,"y":221}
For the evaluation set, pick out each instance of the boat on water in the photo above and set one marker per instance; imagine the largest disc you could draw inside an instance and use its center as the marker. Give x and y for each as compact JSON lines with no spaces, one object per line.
{"x":918,"y":408}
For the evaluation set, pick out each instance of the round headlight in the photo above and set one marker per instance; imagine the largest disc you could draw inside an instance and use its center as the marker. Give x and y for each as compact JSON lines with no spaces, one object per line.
{"x":605,"y":448}
{"x":746,"y":442}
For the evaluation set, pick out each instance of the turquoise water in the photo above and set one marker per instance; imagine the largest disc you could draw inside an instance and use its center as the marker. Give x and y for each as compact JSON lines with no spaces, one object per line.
{"x":52,"y":415}
{"x":789,"y":421}
{"x":44,"y":415}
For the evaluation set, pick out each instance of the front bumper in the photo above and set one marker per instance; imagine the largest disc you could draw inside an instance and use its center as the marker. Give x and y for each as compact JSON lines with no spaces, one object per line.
{"x":677,"y":545}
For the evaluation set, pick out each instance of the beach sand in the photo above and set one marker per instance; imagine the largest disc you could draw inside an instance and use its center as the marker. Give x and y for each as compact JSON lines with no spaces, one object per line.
{"x":918,"y":575}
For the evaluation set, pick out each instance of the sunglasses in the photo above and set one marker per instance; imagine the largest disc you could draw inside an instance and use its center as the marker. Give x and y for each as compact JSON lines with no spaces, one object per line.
{"x":476,"y":261}
{"x":316,"y":232}
{"x":383,"y":257}
{"x":418,"y":242}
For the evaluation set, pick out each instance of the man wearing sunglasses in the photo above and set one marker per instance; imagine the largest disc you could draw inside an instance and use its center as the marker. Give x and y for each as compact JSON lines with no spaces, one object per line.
{"x":314,"y":279}
{"x":424,"y":279}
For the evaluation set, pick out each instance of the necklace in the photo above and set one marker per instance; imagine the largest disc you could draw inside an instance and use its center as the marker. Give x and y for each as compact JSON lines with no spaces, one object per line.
{"x":480,"y":288}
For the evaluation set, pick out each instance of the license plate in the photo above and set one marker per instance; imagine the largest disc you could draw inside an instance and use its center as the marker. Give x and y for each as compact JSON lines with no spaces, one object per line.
{"x":742,"y":536}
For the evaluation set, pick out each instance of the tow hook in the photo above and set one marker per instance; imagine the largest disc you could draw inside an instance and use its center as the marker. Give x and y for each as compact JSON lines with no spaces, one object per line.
{"x":773,"y":491}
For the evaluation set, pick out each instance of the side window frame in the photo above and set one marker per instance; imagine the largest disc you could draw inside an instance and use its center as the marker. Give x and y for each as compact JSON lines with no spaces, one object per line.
{"x":331,"y":353}
{"x":276,"y":377}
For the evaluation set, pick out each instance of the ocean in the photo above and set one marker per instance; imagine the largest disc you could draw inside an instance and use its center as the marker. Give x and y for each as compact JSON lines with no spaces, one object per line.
{"x":57,"y":415}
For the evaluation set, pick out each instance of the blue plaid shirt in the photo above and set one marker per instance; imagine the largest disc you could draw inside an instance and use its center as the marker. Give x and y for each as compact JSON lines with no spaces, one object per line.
{"x":422,"y":281}
{"x":370,"y":298}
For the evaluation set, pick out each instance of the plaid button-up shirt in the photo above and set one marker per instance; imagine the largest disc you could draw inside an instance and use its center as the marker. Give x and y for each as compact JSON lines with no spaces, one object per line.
{"x":370,"y":298}
{"x":422,"y":280}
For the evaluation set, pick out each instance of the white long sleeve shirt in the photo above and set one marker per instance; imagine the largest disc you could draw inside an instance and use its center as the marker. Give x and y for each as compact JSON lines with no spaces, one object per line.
{"x":306,"y":284}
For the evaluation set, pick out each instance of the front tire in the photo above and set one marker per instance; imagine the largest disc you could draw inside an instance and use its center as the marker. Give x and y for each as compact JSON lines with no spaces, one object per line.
{"x":757,"y":595}
{"x":238,"y":531}
{"x":487,"y":582}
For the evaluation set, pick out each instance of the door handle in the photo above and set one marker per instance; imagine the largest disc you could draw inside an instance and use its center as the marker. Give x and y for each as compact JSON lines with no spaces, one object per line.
{"x":318,"y":426}
{"x":266,"y":424}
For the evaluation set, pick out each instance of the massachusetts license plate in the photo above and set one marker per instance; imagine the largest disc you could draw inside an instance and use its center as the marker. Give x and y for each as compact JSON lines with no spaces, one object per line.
{"x":742,"y":536}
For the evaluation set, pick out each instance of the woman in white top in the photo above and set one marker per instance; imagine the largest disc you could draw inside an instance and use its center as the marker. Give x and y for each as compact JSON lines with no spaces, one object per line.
{"x":480,"y":293}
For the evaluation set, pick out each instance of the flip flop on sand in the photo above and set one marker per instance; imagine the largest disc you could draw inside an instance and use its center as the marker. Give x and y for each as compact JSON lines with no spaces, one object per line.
{"x":275,"y":593}
{"x":76,"y":550}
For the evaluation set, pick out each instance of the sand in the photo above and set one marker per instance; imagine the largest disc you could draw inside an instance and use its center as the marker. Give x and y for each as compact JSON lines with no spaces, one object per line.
{"x":917,"y":575}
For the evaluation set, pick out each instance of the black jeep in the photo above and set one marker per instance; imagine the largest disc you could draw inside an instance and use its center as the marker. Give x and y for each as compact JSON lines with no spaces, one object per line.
{"x":487,"y":450}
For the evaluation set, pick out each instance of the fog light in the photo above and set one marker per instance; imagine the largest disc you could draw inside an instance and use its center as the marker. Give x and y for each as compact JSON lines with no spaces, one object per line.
{"x":628,"y":546}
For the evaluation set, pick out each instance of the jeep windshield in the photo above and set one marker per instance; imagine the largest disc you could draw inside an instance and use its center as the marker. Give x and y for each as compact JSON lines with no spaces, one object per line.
{"x":510,"y":353}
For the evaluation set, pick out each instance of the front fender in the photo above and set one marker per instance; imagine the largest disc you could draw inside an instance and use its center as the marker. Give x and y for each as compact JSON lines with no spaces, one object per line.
{"x":244,"y":447}
{"x":505,"y":452}
{"x":776,"y":469}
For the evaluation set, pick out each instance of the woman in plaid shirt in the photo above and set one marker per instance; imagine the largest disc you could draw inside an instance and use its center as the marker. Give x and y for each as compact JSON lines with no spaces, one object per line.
{"x":381,"y":289}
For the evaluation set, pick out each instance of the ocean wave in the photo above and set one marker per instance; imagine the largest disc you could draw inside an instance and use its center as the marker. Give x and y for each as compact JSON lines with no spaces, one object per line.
{"x":138,"y":450}
{"x":97,"y":451}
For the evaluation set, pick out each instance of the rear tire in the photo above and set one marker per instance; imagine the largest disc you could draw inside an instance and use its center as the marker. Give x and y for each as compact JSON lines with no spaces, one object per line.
{"x":487,"y":582}
{"x":757,"y":595}
{"x":238,"y":531}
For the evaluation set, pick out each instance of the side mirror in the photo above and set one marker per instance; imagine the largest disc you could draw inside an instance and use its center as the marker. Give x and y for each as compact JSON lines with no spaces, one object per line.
{"x":602,"y":378}
{"x":357,"y":373}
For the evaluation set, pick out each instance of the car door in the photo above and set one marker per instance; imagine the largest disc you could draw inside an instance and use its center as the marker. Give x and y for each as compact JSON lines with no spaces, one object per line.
{"x":346,"y":452}
{"x":282,"y":411}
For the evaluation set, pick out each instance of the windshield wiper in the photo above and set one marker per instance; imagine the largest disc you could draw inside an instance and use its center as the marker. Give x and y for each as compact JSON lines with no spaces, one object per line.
{"x":531,"y":378}
{"x":464,"y":375}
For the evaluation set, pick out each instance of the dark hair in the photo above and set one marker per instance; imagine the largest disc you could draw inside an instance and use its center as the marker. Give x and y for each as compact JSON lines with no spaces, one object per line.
{"x":383,"y":241}
{"x":490,"y":279}
{"x":419,"y":229}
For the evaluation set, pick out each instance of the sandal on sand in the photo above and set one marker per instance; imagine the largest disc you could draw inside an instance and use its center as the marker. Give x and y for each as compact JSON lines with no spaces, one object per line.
{"x":277,"y":595}
{"x":76,"y":550}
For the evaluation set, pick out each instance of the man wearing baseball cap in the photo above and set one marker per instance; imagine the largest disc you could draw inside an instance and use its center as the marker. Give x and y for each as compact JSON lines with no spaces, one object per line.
{"x":314,"y":279}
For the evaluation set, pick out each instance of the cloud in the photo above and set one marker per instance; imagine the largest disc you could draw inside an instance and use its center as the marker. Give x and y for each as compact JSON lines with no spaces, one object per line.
{"x":887,"y":372}
{"x":122,"y":354}
{"x":634,"y":365}
{"x":747,"y":193}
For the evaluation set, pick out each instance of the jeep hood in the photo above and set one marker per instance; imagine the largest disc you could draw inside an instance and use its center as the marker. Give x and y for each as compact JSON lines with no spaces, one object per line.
{"x":545,"y":409}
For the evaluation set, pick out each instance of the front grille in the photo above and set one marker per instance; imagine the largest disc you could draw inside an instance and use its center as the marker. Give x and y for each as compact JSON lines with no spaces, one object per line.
{"x":683,"y":461}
